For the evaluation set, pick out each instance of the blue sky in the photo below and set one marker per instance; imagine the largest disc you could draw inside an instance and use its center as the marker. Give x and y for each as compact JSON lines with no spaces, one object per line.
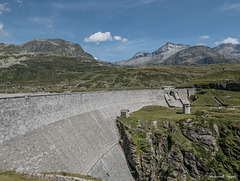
{"x":113,"y":30}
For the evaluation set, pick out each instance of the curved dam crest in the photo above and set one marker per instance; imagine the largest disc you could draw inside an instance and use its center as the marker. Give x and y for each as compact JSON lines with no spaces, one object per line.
{"x":72,"y":132}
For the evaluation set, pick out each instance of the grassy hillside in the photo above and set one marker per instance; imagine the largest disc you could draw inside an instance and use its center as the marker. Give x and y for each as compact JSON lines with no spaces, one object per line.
{"x":49,"y":73}
{"x":205,"y":97}
{"x":203,"y":144}
{"x":223,"y":76}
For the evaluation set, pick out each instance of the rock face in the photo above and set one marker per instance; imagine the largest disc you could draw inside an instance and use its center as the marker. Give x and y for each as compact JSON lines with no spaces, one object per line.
{"x":188,"y":150}
{"x":49,"y":46}
{"x":229,"y":51}
{"x":166,"y":51}
{"x":179,"y":54}
{"x":195,"y":55}
{"x":202,"y":135}
{"x":154,"y":58}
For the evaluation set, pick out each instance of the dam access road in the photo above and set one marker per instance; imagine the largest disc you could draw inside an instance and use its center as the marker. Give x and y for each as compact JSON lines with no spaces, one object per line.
{"x":73,"y":132}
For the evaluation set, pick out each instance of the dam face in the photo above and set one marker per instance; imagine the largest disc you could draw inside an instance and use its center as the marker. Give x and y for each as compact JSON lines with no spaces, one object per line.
{"x":72,"y":132}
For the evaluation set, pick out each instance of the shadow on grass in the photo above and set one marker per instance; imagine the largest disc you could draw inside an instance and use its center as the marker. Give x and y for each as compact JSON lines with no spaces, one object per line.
{"x":178,"y":112}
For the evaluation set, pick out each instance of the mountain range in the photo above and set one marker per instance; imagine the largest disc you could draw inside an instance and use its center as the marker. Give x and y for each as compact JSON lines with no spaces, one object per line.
{"x":180,"y":54}
{"x":168,"y":54}
{"x":57,"y":65}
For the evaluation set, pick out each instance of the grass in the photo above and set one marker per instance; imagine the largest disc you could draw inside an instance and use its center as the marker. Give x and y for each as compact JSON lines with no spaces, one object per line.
{"x":49,"y":73}
{"x":139,"y":139}
{"x":151,"y":113}
{"x":15,"y":176}
{"x":153,"y":119}
{"x":216,"y":77}
{"x":205,"y":97}
{"x":73,"y":175}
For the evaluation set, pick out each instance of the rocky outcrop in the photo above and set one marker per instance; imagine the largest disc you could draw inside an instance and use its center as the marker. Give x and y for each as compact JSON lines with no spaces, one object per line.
{"x":195,"y":55}
{"x":229,"y":50}
{"x":140,"y":162}
{"x":202,"y":135}
{"x":186,"y":150}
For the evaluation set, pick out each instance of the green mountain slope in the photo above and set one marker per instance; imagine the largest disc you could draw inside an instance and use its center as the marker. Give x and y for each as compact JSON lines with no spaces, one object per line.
{"x":58,"y":74}
{"x":55,"y":65}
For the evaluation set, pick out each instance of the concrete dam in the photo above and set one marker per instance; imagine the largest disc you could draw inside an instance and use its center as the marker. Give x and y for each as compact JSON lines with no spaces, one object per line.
{"x":73,"y":132}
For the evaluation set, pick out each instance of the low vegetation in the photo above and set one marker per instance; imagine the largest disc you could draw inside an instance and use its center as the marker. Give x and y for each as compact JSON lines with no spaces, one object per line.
{"x":227,"y":75}
{"x":73,"y":175}
{"x":52,"y":73}
{"x":179,"y":132}
{"x":206,"y":97}
{"x":15,"y":176}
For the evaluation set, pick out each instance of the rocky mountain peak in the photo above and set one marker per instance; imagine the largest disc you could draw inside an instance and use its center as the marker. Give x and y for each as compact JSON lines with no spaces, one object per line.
{"x":154,"y":58}
{"x":231,"y":51}
{"x":195,"y":55}
{"x":170,"y":47}
{"x":47,"y":46}
{"x":169,"y":44}
{"x":139,"y":55}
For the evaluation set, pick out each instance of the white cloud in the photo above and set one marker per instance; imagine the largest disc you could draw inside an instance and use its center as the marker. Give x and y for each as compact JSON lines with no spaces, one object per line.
{"x":99,"y":36}
{"x":3,"y":8}
{"x":124,"y":40}
{"x":119,"y":38}
{"x":229,"y":7}
{"x":228,"y":40}
{"x":201,"y":44}
{"x":205,"y":37}
{"x":2,"y":32}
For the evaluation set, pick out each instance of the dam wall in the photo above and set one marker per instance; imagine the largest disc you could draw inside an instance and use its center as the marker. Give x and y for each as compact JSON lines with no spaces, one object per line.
{"x":74,"y":145}
{"x":20,"y":115}
{"x":70,"y":132}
